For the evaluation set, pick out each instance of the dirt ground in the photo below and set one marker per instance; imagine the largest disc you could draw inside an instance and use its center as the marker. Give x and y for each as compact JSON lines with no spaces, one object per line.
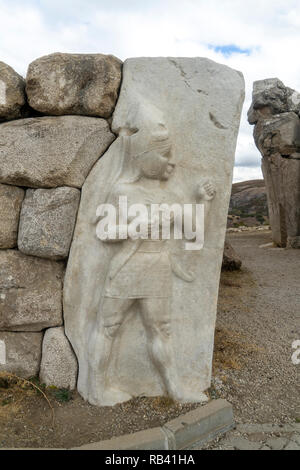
{"x":258,"y":319}
{"x":28,"y":421}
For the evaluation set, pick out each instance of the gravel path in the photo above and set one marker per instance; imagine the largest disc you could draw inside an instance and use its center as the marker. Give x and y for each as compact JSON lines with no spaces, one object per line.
{"x":267,"y":388}
{"x":259,"y":310}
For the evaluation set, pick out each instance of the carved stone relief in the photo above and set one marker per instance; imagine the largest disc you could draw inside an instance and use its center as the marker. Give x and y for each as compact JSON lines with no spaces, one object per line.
{"x":140,"y":312}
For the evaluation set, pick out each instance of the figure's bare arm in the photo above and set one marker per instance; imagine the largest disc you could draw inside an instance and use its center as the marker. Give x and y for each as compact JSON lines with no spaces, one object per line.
{"x":187,"y":276}
{"x":115,"y":232}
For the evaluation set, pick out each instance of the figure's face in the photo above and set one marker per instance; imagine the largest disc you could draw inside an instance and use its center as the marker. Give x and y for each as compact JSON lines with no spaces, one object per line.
{"x":156,"y":165}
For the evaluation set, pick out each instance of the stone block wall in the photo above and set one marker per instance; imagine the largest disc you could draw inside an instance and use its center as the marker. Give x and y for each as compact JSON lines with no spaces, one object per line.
{"x":54,"y":128}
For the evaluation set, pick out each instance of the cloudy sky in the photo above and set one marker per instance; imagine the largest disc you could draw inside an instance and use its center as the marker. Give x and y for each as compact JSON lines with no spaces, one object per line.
{"x":259,"y":37}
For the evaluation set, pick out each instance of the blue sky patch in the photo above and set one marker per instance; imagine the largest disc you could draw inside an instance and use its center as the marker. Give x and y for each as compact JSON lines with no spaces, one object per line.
{"x":230,"y":49}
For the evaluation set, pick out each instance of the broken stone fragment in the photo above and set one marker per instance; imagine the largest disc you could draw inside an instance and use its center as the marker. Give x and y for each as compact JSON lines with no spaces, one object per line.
{"x":231,"y":261}
{"x":59,"y":364}
{"x":12,"y":93}
{"x":85,"y":84}
{"x":47,"y":222}
{"x":11,"y":199}
{"x":30,"y":292}
{"x":48,"y":152}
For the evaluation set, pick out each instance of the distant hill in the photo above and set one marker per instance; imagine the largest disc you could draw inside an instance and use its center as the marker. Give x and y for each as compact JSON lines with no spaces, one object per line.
{"x":248,"y":204}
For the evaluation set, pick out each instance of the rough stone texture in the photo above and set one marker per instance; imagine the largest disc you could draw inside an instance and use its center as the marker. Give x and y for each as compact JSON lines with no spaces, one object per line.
{"x":12,"y":93}
{"x":10,"y":206}
{"x":30,"y":292}
{"x":201,"y":424}
{"x":277,"y":136}
{"x":59,"y":364}
{"x":282,"y":176}
{"x":200,"y":112}
{"x":47,"y":222}
{"x":269,"y":97}
{"x":231,"y":261}
{"x":51,"y":151}
{"x":23,"y":353}
{"x":293,"y":100}
{"x":85,"y":84}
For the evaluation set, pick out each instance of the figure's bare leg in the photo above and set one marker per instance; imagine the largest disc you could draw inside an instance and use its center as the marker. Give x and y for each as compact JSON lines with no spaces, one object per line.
{"x":110,"y":317}
{"x":157,"y":321}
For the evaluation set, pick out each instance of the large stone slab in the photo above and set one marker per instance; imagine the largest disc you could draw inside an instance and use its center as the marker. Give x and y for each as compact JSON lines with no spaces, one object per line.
{"x":11,"y":199}
{"x":141,"y":315}
{"x":47,"y":222}
{"x":22,"y":354}
{"x":59,"y":364}
{"x":49,"y":152}
{"x":85,"y":84}
{"x":277,"y":136}
{"x":30,"y":292}
{"x":12,"y":93}
{"x":282,"y":176}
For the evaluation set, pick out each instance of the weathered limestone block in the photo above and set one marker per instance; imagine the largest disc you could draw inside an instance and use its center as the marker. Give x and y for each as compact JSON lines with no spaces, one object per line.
{"x":231,"y":260}
{"x":282,"y":176}
{"x":278,"y":134}
{"x":278,"y":139}
{"x":30,"y":292}
{"x":10,"y":206}
{"x":21,"y":353}
{"x":140,"y":315}
{"x":293,"y":100}
{"x":59,"y":364}
{"x":85,"y":84}
{"x":12,"y":93}
{"x":47,"y":222}
{"x":269,"y":97}
{"x":51,"y":151}
{"x":270,"y":169}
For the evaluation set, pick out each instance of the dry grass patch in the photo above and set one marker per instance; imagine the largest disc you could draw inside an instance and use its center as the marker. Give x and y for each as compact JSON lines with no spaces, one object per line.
{"x":232,"y":350}
{"x":14,"y":390}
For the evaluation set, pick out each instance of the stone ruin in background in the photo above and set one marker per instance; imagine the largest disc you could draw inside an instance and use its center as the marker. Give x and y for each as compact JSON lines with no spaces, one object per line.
{"x":149,"y":327}
{"x":275,"y":111}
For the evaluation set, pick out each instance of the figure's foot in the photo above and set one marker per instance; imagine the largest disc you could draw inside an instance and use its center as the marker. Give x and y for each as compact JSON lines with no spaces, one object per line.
{"x":111,"y":397}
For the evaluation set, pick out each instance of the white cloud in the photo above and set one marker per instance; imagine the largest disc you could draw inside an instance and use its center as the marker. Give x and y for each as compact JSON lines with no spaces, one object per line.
{"x":246,"y":173}
{"x":269,"y":28}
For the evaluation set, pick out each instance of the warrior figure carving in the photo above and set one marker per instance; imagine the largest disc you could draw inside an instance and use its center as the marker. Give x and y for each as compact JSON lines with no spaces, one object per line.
{"x":141,"y":271}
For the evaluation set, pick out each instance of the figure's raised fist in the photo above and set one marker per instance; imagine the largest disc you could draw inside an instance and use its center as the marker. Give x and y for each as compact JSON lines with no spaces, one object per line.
{"x":206,"y":191}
